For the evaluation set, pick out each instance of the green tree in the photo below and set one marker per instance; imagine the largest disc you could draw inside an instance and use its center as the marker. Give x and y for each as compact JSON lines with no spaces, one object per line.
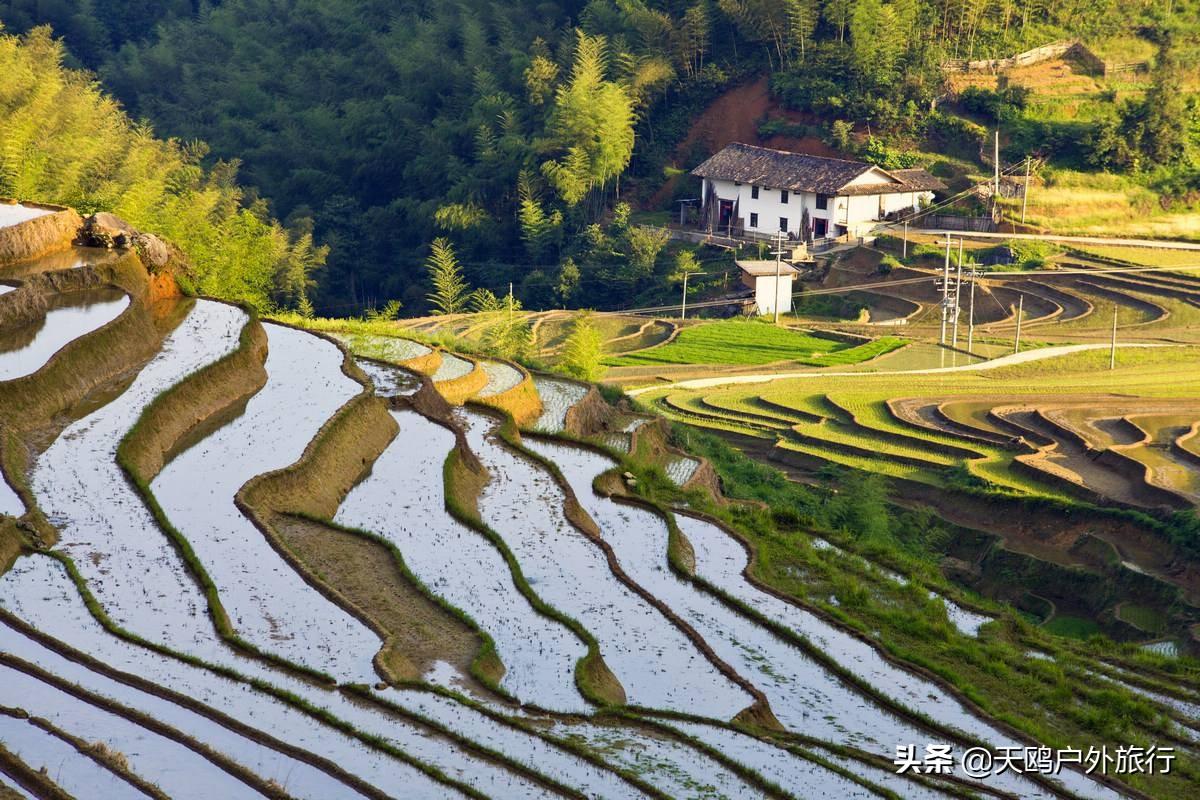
{"x":510,"y":334}
{"x":460,"y":216}
{"x":592,"y":125}
{"x":692,"y":37}
{"x":540,"y":75}
{"x":645,"y":243}
{"x":1164,"y":114}
{"x":583,"y":351}
{"x":568,"y":281}
{"x":802,"y":22}
{"x":541,"y":232}
{"x":685,"y":262}
{"x":840,"y":132}
{"x":877,"y":41}
{"x":450,"y":293}
{"x":837,"y":13}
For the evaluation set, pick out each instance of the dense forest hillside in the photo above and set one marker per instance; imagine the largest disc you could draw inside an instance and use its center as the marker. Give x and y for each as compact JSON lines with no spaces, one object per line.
{"x":65,"y":141}
{"x":515,"y":129}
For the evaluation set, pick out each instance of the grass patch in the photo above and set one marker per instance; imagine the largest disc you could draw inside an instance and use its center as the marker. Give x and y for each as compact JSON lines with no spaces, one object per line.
{"x":1072,"y":627}
{"x":751,"y":343}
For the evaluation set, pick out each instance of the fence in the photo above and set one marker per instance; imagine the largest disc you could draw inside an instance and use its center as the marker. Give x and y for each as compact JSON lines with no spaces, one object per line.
{"x":1043,"y":53}
{"x":953,"y":222}
{"x":1064,"y":47}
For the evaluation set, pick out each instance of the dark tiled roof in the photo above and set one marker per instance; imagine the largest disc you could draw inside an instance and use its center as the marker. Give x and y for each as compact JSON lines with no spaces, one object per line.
{"x":919,"y":179}
{"x":798,"y":172}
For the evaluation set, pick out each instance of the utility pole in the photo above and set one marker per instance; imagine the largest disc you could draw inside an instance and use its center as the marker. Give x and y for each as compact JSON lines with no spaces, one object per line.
{"x":904,"y":251}
{"x":778,"y":268}
{"x":1112,"y":353}
{"x":971,"y":315}
{"x":1025,"y":192}
{"x":945,"y":292}
{"x":683,"y":302}
{"x":996,"y":164}
{"x":1020,"y":314}
{"x":957,"y":292}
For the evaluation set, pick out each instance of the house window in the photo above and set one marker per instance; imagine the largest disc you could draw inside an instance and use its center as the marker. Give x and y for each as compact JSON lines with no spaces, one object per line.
{"x":753,"y":220}
{"x":753,"y":192}
{"x":822,"y":201}
{"x":783,"y":224}
{"x":783,"y":196}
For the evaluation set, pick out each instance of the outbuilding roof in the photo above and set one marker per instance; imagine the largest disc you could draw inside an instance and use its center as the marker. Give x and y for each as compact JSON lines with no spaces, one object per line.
{"x":761,"y":269}
{"x":800,"y":172}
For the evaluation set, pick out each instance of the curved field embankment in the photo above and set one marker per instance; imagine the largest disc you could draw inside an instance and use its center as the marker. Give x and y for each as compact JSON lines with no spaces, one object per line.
{"x":654,"y":333}
{"x":1147,"y":285}
{"x":558,"y":396}
{"x":1187,"y":445}
{"x":439,"y":551}
{"x":647,"y":652}
{"x":186,"y":412}
{"x":1150,"y":312}
{"x":1106,"y":479}
{"x":289,"y":505}
{"x":466,"y":480}
{"x":40,"y":235}
{"x":284,"y":613}
{"x":58,"y":261}
{"x":334,"y":460}
{"x":1074,"y":306}
{"x":510,"y":388}
{"x":886,"y":309}
{"x":106,"y":354}
{"x":389,"y":752}
{"x":459,"y":378}
{"x":642,"y":528}
{"x":1035,"y":308}
{"x":930,"y":414}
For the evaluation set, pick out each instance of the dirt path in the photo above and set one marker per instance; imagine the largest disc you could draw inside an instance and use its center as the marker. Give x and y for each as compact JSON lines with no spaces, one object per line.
{"x":996,"y":363}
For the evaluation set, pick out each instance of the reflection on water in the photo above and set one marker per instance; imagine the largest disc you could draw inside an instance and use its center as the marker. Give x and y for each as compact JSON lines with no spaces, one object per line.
{"x":71,"y":258}
{"x":25,"y":350}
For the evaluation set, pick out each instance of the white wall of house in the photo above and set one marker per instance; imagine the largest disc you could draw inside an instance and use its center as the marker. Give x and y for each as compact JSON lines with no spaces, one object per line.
{"x":855,"y":213}
{"x":764,"y":293}
{"x":770,"y":208}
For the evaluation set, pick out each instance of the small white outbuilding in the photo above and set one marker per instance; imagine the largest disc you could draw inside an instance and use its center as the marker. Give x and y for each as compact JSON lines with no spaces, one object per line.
{"x":760,"y":276}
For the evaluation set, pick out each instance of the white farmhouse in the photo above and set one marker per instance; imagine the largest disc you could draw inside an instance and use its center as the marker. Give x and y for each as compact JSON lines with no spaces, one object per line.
{"x":756,"y":190}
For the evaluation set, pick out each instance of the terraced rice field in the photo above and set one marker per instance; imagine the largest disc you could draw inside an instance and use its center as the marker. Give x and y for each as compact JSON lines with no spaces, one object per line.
{"x":501,"y":378}
{"x":16,"y":213}
{"x":460,"y":565}
{"x":384,"y":348}
{"x":25,"y":350}
{"x":233,"y":540}
{"x":557,"y":397}
{"x":452,"y":368}
{"x":278,"y":612}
